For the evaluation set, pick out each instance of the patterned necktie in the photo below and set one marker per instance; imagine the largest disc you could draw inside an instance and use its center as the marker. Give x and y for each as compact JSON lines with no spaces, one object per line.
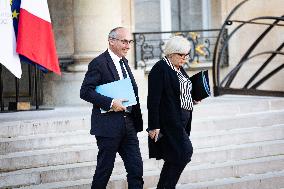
{"x":122,"y":69}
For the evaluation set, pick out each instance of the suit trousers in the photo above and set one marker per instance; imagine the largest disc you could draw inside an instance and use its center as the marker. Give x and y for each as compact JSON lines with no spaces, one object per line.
{"x":127,"y":145}
{"x":171,"y":172}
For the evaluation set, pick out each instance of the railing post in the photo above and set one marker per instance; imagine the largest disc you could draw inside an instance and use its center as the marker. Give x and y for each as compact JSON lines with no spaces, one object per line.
{"x":1,"y":90}
{"x":30,"y":79}
{"x":17,"y":90}
{"x":36,"y":87}
{"x":135,"y":52}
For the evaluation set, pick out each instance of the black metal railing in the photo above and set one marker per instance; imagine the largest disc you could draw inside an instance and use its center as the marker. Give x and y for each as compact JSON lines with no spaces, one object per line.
{"x":223,"y":82}
{"x":28,"y":88}
{"x":149,"y":46}
{"x":14,"y":90}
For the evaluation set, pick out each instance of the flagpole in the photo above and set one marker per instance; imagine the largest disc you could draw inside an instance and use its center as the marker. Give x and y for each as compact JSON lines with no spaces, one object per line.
{"x":36,"y":87}
{"x":1,"y":90}
{"x":17,"y":90}
{"x":30,"y":80}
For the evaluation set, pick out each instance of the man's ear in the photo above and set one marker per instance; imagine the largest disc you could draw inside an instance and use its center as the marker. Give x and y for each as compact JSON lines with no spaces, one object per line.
{"x":110,"y":41}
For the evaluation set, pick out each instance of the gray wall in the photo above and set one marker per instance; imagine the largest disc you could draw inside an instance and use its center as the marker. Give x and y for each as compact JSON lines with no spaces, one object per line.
{"x":147,"y":15}
{"x":191,"y":14}
{"x":148,"y":18}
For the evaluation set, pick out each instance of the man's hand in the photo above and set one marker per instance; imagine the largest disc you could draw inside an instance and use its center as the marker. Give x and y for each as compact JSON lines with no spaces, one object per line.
{"x":153,"y":134}
{"x":117,"y":105}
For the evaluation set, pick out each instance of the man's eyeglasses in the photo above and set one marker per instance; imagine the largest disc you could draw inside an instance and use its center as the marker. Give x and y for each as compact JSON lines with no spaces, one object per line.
{"x":186,"y":56}
{"x":124,"y":41}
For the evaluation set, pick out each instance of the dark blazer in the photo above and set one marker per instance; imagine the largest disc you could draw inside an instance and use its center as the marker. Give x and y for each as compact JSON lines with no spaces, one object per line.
{"x":164,"y":113}
{"x":101,"y":70}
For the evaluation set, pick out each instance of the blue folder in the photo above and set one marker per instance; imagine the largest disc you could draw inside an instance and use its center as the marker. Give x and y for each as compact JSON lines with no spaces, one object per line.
{"x":121,"y":89}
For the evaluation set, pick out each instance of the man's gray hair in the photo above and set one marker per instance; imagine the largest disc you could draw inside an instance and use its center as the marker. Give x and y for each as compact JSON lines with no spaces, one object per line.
{"x":113,"y":34}
{"x":177,"y":44}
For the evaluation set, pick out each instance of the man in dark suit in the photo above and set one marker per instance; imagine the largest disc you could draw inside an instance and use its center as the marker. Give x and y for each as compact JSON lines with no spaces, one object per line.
{"x":116,"y":130}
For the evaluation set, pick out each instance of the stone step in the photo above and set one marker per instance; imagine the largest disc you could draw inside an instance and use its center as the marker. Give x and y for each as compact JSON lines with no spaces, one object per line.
{"x":66,"y":119}
{"x":237,"y":152}
{"x":87,"y":153}
{"x":200,"y":139}
{"x":237,"y":136}
{"x":44,"y":125}
{"x":239,"y":168}
{"x":207,"y":139}
{"x":47,"y":157}
{"x":69,"y":124}
{"x":239,"y":121}
{"x":237,"y":105}
{"x":195,"y":174}
{"x":45,"y":141}
{"x":232,"y":106}
{"x":60,"y":173}
{"x":76,"y":184}
{"x":272,"y":180}
{"x":230,"y":169}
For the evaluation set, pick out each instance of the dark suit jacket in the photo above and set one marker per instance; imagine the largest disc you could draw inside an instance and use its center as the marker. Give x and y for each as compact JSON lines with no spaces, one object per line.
{"x":164,"y":113}
{"x":101,"y":70}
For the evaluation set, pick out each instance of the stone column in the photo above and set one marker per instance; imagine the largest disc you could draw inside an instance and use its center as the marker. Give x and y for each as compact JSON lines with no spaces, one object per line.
{"x":92,"y":21}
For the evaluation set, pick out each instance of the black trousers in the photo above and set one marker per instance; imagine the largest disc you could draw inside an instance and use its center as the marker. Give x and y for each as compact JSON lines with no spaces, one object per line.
{"x":171,"y":172}
{"x":170,"y":175}
{"x":127,"y":145}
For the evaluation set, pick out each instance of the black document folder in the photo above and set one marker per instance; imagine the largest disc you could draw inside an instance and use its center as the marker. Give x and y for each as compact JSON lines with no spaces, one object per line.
{"x":200,"y":86}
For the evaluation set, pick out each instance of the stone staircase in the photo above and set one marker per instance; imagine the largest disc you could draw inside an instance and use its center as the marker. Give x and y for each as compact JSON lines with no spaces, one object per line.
{"x":238,"y":144}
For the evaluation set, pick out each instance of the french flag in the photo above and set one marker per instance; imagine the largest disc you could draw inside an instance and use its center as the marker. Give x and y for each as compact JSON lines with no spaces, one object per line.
{"x":35,"y":38}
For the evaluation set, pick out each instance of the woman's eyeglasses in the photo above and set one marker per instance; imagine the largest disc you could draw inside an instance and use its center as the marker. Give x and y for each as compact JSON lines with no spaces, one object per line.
{"x":186,"y":56}
{"x":124,"y":41}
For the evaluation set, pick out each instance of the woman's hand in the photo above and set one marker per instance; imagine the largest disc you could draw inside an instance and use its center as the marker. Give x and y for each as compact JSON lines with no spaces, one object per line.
{"x":196,"y":102}
{"x":153,"y":134}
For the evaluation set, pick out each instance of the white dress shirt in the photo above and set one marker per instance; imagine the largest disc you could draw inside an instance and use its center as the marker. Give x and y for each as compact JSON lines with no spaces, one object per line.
{"x":115,"y":60}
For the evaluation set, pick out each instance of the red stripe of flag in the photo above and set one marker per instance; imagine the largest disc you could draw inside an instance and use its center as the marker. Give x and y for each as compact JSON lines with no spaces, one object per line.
{"x":36,"y":41}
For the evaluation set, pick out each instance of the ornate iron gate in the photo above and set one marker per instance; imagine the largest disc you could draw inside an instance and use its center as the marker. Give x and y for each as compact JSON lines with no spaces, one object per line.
{"x":149,"y":47}
{"x":223,"y":84}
